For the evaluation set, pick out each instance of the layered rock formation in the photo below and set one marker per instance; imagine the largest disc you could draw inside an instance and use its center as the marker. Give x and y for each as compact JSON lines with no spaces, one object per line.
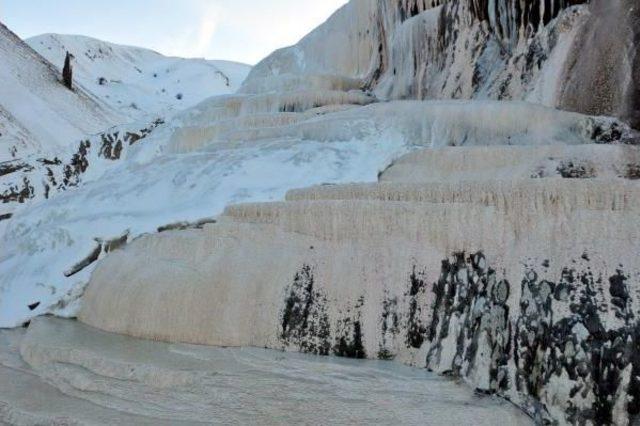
{"x":504,"y":254}
{"x":561,"y":53}
{"x":524,"y":287}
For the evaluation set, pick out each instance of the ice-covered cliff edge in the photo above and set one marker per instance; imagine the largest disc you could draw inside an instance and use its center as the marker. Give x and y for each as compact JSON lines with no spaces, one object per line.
{"x":525,"y":287}
{"x":561,"y":53}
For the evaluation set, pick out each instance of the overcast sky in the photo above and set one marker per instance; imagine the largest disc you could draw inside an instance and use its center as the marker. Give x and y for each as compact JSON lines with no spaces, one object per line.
{"x":238,"y":30}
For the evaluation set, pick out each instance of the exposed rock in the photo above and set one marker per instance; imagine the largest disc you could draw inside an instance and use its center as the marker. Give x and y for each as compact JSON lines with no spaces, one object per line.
{"x":180,"y":226}
{"x":560,"y":53}
{"x":35,"y":178}
{"x":505,"y":254}
{"x":92,"y":257}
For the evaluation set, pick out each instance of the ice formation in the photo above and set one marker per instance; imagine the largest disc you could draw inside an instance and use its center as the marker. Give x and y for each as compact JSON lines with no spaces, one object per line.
{"x":472,"y":206}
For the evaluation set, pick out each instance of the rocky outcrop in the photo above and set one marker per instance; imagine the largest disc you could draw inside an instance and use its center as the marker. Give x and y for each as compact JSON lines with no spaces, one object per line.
{"x":36,"y":177}
{"x":549,"y":52}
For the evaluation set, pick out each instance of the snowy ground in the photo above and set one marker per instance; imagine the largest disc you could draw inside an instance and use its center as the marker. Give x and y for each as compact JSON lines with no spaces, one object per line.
{"x":52,"y":235}
{"x":140,"y":82}
{"x":37,"y":113}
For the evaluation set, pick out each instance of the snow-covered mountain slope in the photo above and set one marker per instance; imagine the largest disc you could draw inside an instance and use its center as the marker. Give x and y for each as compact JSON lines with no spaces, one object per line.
{"x":37,"y":113}
{"x":141,"y":83}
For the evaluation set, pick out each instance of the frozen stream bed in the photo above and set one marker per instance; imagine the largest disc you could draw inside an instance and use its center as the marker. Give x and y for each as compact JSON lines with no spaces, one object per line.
{"x":62,"y":372}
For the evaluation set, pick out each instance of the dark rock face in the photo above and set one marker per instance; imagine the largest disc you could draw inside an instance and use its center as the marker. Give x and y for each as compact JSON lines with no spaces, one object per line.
{"x":29,"y":178}
{"x":349,"y":337}
{"x":469,"y":293}
{"x":416,"y":327}
{"x":508,"y":18}
{"x":498,"y":49}
{"x":304,"y":319}
{"x":575,"y":170}
{"x":389,"y":327}
{"x":561,"y":350}
{"x":566,"y":349}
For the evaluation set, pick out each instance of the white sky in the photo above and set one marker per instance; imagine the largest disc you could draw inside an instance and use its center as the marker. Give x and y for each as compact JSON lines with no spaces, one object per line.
{"x":238,"y":30}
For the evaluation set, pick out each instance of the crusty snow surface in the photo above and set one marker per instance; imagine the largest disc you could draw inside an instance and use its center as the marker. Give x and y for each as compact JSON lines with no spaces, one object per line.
{"x":158,"y":183}
{"x":139,"y":195}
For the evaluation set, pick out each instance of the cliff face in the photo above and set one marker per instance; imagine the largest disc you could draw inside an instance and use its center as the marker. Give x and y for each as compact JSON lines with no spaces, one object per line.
{"x":553,"y":52}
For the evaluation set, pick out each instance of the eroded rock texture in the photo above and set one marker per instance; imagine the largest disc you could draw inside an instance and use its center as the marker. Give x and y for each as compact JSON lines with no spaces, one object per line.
{"x":560,"y":53}
{"x":24,"y":180}
{"x":559,"y":351}
{"x":305,"y":323}
{"x":542,"y":312}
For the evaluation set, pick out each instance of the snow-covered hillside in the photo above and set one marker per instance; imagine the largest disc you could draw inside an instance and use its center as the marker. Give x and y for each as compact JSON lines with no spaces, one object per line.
{"x":54,"y":138}
{"x":37,"y":113}
{"x":140,"y":82}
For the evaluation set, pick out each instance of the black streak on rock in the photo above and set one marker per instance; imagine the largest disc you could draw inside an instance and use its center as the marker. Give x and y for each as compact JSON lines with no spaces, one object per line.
{"x":469,"y":294}
{"x":558,"y":333}
{"x":416,"y":327}
{"x":389,"y":327}
{"x":92,"y":257}
{"x":349,"y":338}
{"x":304,"y":320}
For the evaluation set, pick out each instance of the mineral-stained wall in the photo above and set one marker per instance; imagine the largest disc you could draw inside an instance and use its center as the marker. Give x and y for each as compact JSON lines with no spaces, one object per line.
{"x":524,"y":287}
{"x":505,"y":254}
{"x":561,"y":53}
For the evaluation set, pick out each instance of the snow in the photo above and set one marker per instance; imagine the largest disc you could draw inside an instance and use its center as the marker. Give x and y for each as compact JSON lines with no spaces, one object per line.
{"x":516,"y":180}
{"x":52,"y":235}
{"x":139,"y":82}
{"x":37,"y":113}
{"x":306,"y":115}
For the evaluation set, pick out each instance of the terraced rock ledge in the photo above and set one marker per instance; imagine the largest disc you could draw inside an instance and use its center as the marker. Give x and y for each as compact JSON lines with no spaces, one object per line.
{"x":525,"y":288}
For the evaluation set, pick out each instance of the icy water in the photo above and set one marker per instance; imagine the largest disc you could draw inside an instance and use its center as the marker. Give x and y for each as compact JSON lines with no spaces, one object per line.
{"x":94,"y":377}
